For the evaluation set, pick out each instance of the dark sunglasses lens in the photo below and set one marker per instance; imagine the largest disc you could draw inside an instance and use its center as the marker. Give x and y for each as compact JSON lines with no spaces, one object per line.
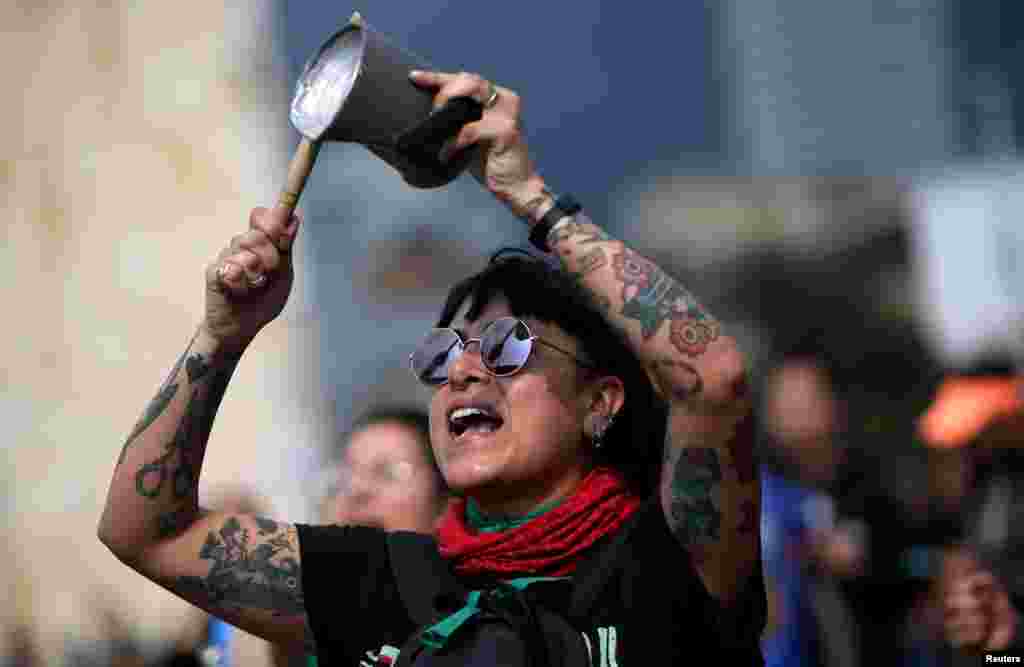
{"x":506,"y":346}
{"x":435,"y":354}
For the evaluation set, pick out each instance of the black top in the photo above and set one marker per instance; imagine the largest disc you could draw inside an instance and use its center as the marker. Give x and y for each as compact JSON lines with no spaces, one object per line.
{"x":356,"y":613}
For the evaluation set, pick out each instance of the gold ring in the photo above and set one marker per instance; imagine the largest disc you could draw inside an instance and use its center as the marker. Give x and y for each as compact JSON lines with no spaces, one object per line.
{"x":257,"y":280}
{"x":493,"y":99}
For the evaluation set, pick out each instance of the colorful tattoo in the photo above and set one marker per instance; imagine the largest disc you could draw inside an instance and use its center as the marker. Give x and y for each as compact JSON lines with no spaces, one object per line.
{"x":694,"y":516}
{"x":588,"y":233}
{"x":650,"y":296}
{"x":692,"y":336}
{"x":264,"y":575}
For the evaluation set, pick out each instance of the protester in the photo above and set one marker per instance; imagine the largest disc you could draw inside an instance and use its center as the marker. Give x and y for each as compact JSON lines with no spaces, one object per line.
{"x":979,"y":414}
{"x":551,"y":429}
{"x":386,"y":476}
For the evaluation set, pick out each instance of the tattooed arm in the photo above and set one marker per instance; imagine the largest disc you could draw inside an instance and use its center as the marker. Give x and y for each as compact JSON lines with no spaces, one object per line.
{"x":709,"y":488}
{"x":241,"y":568}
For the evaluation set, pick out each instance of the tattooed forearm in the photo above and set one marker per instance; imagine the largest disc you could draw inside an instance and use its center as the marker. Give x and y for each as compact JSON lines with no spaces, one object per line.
{"x":260,"y":573}
{"x":651,"y":297}
{"x":156,"y":407}
{"x":584,"y":233}
{"x":695,"y":516}
{"x":588,"y":263}
{"x":593,"y":260}
{"x":683,"y":380}
{"x":182,"y":456}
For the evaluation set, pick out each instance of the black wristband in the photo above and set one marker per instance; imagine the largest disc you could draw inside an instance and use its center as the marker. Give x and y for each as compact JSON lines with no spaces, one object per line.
{"x":565,"y":205}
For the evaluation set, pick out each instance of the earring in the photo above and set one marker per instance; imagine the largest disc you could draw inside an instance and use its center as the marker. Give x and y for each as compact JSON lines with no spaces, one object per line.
{"x":600,"y":429}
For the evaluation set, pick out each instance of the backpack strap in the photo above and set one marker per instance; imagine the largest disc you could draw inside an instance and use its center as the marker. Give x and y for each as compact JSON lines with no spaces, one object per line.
{"x":421,"y":574}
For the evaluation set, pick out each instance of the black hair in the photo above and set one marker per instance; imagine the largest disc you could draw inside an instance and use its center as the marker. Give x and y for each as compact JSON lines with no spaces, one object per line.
{"x":534,"y":288}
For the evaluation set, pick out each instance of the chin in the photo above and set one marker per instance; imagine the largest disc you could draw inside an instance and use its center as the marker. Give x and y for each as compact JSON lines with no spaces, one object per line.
{"x":465,"y":476}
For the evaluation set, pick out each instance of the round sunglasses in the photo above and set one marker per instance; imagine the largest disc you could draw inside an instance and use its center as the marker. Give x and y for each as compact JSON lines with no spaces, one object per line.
{"x":505,"y":347}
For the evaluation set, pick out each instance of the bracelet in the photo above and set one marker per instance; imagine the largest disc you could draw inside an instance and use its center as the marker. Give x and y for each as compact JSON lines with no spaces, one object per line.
{"x":565,"y":207}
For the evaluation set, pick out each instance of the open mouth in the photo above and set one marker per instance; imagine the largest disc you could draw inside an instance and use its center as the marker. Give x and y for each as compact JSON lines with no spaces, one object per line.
{"x":473,"y":420}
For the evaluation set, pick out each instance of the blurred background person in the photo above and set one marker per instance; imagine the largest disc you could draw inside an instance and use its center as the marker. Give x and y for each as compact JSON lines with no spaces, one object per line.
{"x":383,"y":473}
{"x":850,"y":502}
{"x":977,"y":420}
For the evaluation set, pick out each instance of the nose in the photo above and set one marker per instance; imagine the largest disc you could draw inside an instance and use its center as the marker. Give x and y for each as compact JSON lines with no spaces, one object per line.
{"x":468,"y":367}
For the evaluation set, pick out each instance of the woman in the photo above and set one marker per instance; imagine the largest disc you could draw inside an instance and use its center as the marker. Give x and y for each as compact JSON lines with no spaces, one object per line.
{"x":541,"y":418}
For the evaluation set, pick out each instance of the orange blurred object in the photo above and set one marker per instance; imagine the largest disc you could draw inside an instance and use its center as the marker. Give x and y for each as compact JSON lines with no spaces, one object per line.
{"x":964,"y":407}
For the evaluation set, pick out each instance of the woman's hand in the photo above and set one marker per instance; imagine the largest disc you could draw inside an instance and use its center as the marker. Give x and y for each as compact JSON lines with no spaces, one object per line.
{"x":248,"y":284}
{"x":503,"y":164}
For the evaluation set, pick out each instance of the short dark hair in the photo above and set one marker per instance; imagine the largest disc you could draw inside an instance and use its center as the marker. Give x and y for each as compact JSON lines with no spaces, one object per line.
{"x":535,"y":288}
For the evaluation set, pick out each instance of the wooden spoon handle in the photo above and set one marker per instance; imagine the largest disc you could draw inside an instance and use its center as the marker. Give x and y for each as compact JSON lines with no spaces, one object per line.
{"x":298,"y":171}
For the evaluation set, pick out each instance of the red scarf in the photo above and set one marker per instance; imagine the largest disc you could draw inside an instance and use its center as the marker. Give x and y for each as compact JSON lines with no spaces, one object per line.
{"x":549,"y":545}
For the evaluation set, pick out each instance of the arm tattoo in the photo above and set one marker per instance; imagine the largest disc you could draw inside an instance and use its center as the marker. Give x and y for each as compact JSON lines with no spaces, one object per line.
{"x":588,"y":234}
{"x":264,"y":575}
{"x":173,"y":522}
{"x":157,"y":406}
{"x":184,"y":451}
{"x":695,"y":518}
{"x":651,"y":296}
{"x":588,"y":263}
{"x":529,"y":208}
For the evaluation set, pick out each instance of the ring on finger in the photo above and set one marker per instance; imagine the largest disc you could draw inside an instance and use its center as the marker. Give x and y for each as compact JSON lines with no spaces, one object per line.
{"x":258,"y":280}
{"x":492,"y":98}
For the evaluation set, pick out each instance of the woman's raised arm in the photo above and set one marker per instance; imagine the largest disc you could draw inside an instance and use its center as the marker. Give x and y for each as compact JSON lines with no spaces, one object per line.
{"x":710,"y":490}
{"x":244,"y":569}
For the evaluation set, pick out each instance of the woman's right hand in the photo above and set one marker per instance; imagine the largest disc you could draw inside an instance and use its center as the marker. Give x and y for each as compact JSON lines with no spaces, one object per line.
{"x":248,"y":284}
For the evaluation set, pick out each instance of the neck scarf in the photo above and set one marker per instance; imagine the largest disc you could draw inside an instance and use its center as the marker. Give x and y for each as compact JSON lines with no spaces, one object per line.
{"x":549,"y":544}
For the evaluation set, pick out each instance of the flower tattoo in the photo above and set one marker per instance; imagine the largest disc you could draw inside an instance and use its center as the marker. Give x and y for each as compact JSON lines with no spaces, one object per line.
{"x":691,"y":335}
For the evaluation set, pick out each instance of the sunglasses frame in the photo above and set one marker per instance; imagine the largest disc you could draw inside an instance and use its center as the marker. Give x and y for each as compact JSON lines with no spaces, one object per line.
{"x":479,"y":341}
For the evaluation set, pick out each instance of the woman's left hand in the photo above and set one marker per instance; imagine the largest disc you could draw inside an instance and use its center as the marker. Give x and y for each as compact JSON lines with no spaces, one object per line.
{"x":502,"y":164}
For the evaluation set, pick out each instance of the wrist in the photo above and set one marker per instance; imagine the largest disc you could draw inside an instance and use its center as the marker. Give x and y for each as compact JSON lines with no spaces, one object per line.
{"x":218,"y":348}
{"x":532,"y":201}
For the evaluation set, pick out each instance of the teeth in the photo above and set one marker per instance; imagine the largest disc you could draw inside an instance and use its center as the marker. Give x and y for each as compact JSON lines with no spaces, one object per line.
{"x":462,"y":413}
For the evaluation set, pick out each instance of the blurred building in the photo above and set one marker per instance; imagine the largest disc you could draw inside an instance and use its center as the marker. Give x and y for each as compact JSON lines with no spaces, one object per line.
{"x":136,"y":138}
{"x":837,"y":87}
